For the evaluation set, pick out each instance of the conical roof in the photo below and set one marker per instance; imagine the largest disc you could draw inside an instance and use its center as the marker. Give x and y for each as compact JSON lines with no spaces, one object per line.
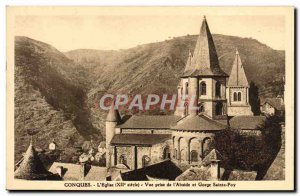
{"x":205,"y":61}
{"x":213,"y":156}
{"x":31,"y":167}
{"x":113,"y":114}
{"x":237,"y":76}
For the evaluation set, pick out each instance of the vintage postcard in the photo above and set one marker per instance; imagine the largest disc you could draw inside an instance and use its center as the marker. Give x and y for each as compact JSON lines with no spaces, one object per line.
{"x":150,"y":98}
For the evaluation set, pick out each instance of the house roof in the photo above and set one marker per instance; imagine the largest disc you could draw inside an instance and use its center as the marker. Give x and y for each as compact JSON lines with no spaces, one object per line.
{"x":277,"y":103}
{"x":199,"y":123}
{"x":213,"y":156}
{"x":204,"y":61}
{"x":72,"y":171}
{"x":32,"y":167}
{"x":139,"y":139}
{"x":247,"y":122}
{"x":149,"y":122}
{"x":237,"y":76}
{"x":164,"y":170}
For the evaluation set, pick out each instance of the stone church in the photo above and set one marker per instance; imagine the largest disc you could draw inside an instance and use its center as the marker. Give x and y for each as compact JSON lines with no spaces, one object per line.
{"x":189,"y":135}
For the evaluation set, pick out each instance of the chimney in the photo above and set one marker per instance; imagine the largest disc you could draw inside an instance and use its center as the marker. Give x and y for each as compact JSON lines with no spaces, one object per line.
{"x":215,"y":170}
{"x":59,"y":170}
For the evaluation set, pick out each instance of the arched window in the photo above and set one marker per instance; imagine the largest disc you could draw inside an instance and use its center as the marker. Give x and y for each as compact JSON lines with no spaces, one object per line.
{"x":234,"y":96}
{"x":186,"y":109}
{"x":202,"y":88}
{"x":166,"y":153}
{"x":218,"y":89}
{"x":186,"y":88}
{"x":239,"y":96}
{"x":219,"y":108}
{"x":145,"y":161}
{"x":123,"y":160}
{"x":194,"y":156}
{"x":206,"y":146}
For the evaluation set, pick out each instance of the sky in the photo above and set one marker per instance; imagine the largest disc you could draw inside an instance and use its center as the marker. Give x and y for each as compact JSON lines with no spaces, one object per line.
{"x":115,"y":32}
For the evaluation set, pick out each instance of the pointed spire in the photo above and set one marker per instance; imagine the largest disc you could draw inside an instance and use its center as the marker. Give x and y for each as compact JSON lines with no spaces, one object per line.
{"x":237,"y":76}
{"x":113,"y":114}
{"x":205,"y":59}
{"x":31,"y":167}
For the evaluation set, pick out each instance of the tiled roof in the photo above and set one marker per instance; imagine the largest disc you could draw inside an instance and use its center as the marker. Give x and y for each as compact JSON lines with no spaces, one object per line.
{"x":205,"y":59}
{"x":163,"y":170}
{"x":140,"y":139}
{"x":237,"y":76}
{"x":148,"y":122}
{"x":31,"y":167}
{"x":73,"y":172}
{"x":247,"y":122}
{"x":277,"y":103}
{"x":200,"y":123}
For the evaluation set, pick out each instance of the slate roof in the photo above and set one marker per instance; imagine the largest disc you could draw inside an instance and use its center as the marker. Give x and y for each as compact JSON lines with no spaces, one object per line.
{"x":200,"y":123}
{"x":73,"y":172}
{"x":275,"y":102}
{"x":148,"y":122}
{"x":139,"y":139}
{"x":164,"y":170}
{"x":31,"y":167}
{"x":237,"y":76}
{"x":205,"y":59}
{"x":247,"y":122}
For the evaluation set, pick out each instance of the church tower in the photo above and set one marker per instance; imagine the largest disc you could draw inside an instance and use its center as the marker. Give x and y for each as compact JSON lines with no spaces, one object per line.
{"x":238,"y":90}
{"x":112,"y":120}
{"x":203,"y":84}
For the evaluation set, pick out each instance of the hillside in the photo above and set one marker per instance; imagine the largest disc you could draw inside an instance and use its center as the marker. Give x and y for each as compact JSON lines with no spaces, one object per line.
{"x":49,"y":98}
{"x":157,"y":67}
{"x":57,"y":94}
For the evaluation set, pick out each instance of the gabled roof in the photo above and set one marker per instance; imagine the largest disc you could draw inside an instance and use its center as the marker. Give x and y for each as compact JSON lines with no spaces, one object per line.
{"x":139,"y":139}
{"x":149,"y":122}
{"x":32,"y":167}
{"x":199,"y":123}
{"x":213,"y":156}
{"x":237,"y":76}
{"x":73,"y":171}
{"x":247,"y":122}
{"x":277,"y":103}
{"x":205,"y":61}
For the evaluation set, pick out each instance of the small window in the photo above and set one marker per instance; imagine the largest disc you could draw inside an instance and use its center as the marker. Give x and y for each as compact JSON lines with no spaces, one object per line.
{"x":187,"y":88}
{"x":218,"y":89}
{"x":166,"y":153}
{"x":235,"y":96}
{"x":219,"y":108}
{"x":201,"y":109}
{"x":145,"y":161}
{"x":194,"y":156}
{"x":239,"y":96}
{"x":202,"y":88}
